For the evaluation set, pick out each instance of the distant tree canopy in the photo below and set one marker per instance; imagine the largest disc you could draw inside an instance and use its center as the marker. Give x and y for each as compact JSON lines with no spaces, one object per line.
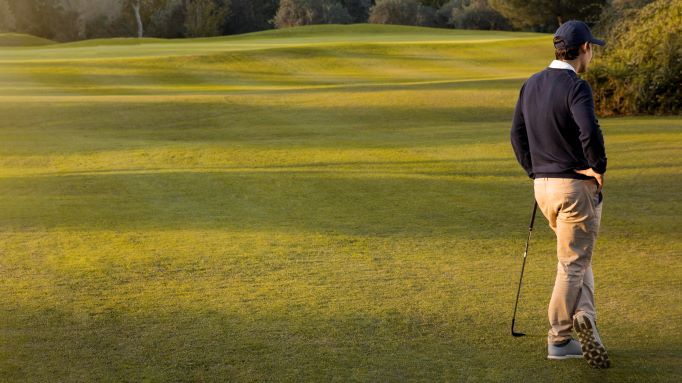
{"x":66,"y":20}
{"x":471,"y":14}
{"x":52,"y":19}
{"x":640,"y":69}
{"x":394,"y":12}
{"x":405,"y":12}
{"x":358,"y":9}
{"x":303,"y":12}
{"x":547,"y":15}
{"x":205,"y":17}
{"x":251,"y":15}
{"x":7,"y":20}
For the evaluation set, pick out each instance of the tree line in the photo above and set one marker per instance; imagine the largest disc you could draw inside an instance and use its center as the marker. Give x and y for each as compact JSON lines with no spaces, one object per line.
{"x":638,"y":72}
{"x":69,"y":20}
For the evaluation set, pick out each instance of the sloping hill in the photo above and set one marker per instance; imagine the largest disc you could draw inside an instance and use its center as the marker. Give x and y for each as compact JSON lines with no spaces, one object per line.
{"x":318,"y":56}
{"x":22,"y":40}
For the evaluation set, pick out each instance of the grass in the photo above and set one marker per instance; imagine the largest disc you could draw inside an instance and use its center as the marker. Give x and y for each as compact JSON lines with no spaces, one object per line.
{"x":327,"y":203}
{"x":22,"y":40}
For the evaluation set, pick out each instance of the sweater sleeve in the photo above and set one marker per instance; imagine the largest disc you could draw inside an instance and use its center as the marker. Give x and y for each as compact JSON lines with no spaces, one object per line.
{"x":519,"y":137}
{"x":582,"y":108}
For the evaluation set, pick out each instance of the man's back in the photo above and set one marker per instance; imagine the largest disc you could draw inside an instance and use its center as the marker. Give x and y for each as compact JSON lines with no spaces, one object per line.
{"x":555,"y":116}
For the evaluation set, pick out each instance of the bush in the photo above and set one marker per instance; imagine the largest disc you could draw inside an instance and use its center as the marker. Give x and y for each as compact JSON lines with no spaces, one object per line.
{"x":640,"y":69}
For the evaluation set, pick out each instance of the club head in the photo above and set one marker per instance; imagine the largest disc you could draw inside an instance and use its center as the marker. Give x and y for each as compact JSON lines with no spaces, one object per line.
{"x":517,"y":334}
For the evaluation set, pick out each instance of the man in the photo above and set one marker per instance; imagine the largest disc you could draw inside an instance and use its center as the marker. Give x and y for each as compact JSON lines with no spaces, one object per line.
{"x":557,"y":140}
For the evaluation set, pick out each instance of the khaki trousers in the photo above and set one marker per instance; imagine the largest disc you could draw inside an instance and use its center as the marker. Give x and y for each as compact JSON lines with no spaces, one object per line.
{"x":571,"y":206}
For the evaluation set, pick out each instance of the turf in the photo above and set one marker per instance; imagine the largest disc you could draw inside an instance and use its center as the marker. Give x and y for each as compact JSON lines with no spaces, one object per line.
{"x":22,"y":40}
{"x":326,"y":203}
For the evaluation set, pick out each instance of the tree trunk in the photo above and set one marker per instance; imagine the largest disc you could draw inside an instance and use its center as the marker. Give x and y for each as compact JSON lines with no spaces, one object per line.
{"x":136,"y":8}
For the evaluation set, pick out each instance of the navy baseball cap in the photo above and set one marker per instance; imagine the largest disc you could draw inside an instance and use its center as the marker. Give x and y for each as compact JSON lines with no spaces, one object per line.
{"x":575,"y":33}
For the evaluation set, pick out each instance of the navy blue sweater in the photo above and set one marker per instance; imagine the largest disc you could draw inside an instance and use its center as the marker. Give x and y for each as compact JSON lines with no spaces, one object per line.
{"x":555,"y":130}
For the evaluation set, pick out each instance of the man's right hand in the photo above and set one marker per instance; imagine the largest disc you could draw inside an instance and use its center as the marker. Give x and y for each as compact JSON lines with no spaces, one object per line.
{"x":591,"y":173}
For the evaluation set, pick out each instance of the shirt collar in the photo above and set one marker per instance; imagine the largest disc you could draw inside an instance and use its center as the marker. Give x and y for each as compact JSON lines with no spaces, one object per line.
{"x":558,"y":64}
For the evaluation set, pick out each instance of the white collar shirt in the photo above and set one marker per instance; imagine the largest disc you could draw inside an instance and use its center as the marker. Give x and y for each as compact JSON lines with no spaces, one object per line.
{"x":558,"y":64}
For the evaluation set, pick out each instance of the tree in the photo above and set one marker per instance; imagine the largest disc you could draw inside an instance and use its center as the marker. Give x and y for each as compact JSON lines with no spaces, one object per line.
{"x":45,"y":18}
{"x":426,"y":16}
{"x":205,"y":17}
{"x":358,"y":9}
{"x":444,"y":15}
{"x":138,"y":15}
{"x":304,"y":12}
{"x":7,"y":21}
{"x":168,"y":20}
{"x":93,"y":14}
{"x":436,"y":4}
{"x":394,"y":12}
{"x":251,"y":15}
{"x":478,"y":15}
{"x":136,"y":8}
{"x":547,"y":15}
{"x":332,"y":12}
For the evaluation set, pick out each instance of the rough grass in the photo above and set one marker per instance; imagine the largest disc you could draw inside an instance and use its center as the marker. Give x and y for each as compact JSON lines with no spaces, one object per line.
{"x":268,"y":208}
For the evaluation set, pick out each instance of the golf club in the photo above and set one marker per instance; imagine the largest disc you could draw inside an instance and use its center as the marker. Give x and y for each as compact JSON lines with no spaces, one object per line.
{"x":525,"y":254}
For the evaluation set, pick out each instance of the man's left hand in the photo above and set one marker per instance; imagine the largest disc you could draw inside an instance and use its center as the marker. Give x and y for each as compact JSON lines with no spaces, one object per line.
{"x":591,"y":173}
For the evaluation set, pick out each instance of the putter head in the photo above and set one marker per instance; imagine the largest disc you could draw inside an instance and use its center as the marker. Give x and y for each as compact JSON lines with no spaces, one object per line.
{"x":514,"y":333}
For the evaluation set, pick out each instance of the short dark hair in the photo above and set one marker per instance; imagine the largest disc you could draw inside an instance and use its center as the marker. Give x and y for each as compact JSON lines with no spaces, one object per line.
{"x":563,"y":52}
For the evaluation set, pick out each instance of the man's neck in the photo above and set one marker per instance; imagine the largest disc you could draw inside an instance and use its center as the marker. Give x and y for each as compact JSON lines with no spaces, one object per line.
{"x":575,"y":64}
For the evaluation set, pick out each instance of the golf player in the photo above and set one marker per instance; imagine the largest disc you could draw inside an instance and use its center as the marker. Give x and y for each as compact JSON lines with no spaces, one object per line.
{"x":557,"y":140}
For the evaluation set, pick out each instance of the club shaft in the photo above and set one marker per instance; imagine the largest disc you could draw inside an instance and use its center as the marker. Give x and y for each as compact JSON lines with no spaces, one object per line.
{"x":523,"y":265}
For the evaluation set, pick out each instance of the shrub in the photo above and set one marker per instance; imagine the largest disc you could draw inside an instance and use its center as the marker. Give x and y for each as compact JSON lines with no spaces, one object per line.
{"x":640,"y":69}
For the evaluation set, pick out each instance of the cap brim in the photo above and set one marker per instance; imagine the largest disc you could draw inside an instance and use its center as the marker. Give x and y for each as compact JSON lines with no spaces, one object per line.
{"x":598,"y":42}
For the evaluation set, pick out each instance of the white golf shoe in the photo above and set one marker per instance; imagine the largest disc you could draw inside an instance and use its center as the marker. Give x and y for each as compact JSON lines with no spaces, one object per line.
{"x":592,"y":347}
{"x":569,"y":350}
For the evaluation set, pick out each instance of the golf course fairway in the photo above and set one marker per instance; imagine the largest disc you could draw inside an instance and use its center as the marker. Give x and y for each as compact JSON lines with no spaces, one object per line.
{"x":320,"y":203}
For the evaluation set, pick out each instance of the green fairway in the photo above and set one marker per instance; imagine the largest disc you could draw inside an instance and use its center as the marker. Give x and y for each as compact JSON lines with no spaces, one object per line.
{"x":322,"y":203}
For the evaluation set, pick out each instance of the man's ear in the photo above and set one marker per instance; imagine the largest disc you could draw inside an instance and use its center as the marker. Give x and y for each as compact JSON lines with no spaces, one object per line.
{"x":584,"y":47}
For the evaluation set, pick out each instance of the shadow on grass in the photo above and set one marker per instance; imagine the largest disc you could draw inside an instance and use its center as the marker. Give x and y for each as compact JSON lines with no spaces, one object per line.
{"x":319,"y":201}
{"x":173,"y":344}
{"x":116,"y":125}
{"x":487,"y":201}
{"x":167,"y":343}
